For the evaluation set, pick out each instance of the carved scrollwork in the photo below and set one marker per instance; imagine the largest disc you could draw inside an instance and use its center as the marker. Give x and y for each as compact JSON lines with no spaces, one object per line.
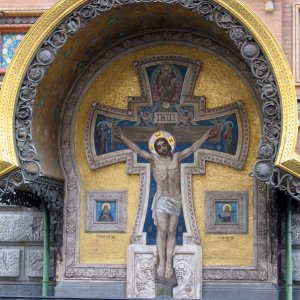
{"x":36,"y":73}
{"x":45,"y":56}
{"x":27,"y":92}
{"x":259,"y":66}
{"x":24,"y":112}
{"x":250,"y":50}
{"x":286,"y":182}
{"x":238,"y":34}
{"x":272,"y":134}
{"x":52,"y":192}
{"x":268,"y":91}
{"x":185,"y":277}
{"x":10,"y":183}
{"x":103,"y":5}
{"x":88,"y":12}
{"x":205,"y":8}
{"x":271,"y":109}
{"x":145,"y":284}
{"x":241,"y":37}
{"x":57,"y":39}
{"x":74,"y":23}
{"x":20,"y":198}
{"x":30,"y":170}
{"x":263,"y":170}
{"x":266,"y":150}
{"x":223,"y":19}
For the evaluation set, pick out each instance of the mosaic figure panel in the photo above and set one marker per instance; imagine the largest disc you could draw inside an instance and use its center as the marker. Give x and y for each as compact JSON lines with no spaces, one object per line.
{"x":185,"y":129}
{"x":166,"y":105}
{"x":226,"y":212}
{"x":106,"y":211}
{"x":166,"y":82}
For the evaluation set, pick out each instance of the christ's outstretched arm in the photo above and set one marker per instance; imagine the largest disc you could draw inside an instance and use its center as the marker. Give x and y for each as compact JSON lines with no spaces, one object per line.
{"x":196,"y":145}
{"x":131,"y":145}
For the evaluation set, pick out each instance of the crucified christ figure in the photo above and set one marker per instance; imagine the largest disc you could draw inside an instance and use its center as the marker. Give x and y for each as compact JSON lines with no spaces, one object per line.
{"x":165,"y":165}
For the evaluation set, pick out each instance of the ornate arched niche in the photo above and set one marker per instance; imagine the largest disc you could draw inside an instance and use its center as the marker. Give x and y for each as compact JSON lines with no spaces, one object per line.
{"x":232,"y":23}
{"x":112,"y":85}
{"x":84,"y":60}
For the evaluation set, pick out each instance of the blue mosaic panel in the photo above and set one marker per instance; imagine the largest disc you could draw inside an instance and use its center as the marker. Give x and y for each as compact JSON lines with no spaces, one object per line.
{"x":106,"y":211}
{"x":166,"y":82}
{"x":229,"y":131}
{"x":10,"y":42}
{"x":226,"y":212}
{"x":227,"y":143}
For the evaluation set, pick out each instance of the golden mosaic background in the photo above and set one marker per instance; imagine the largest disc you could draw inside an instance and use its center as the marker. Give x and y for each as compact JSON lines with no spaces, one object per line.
{"x":221,"y":85}
{"x":286,"y":159}
{"x":74,"y":56}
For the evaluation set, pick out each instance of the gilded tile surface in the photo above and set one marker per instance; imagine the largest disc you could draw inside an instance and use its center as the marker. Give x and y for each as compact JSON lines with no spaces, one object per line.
{"x":221,"y":85}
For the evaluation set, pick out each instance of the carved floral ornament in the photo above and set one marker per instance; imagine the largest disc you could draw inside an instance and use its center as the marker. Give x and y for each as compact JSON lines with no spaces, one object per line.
{"x":73,"y":269}
{"x":246,"y":44}
{"x":28,"y":154}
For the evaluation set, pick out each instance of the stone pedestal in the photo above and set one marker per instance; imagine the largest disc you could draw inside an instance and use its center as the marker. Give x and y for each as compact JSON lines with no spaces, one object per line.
{"x":187,"y":264}
{"x":164,"y":288}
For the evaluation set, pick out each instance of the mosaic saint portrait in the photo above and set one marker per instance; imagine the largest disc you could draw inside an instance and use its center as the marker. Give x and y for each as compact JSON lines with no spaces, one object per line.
{"x":166,"y":82}
{"x":106,"y":212}
{"x":226,"y":212}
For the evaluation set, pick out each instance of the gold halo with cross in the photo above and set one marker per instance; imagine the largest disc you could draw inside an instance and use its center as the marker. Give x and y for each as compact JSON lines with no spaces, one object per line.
{"x":161,"y":134}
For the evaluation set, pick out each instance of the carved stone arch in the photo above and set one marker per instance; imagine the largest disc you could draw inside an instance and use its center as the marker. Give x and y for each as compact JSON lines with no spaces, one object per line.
{"x":222,"y":15}
{"x":252,"y":42}
{"x":121,"y":48}
{"x":41,"y":48}
{"x":73,"y":268}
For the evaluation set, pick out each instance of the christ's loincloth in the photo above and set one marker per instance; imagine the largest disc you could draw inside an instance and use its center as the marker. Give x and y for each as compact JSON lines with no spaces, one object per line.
{"x":165,"y":204}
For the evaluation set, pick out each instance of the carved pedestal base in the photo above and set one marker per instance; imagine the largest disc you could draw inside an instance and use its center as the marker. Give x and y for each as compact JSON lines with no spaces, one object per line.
{"x":164,"y":288}
{"x":187,"y":264}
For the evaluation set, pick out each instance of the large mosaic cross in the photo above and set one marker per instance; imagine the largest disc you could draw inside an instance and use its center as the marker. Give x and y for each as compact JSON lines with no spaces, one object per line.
{"x":167,"y":103}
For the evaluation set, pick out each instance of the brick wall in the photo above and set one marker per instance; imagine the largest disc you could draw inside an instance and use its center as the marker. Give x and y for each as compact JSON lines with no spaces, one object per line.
{"x":273,"y":20}
{"x":280,"y":23}
{"x":25,"y":4}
